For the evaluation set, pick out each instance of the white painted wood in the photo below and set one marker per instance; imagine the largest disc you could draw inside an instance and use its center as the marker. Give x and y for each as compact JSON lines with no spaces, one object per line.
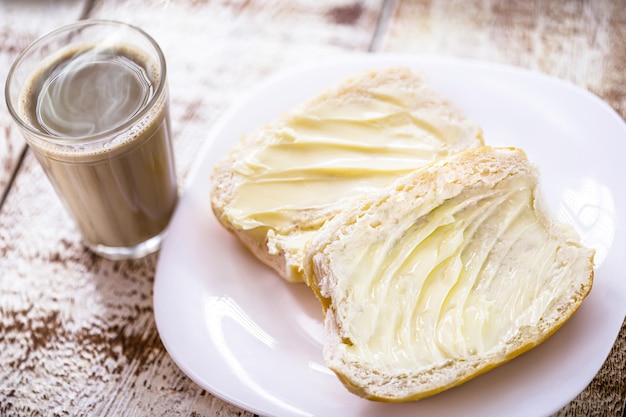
{"x":77,"y":333}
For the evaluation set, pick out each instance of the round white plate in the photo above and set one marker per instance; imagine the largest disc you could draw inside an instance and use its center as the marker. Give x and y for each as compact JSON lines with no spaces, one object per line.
{"x":240,"y":332}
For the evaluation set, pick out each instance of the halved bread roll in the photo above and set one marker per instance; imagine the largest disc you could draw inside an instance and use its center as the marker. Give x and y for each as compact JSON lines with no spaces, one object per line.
{"x":281,"y":183}
{"x":453,"y":270}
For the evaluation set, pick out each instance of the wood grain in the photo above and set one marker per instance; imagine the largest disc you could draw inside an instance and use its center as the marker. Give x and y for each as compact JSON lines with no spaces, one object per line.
{"x":579,"y":41}
{"x":77,"y":333}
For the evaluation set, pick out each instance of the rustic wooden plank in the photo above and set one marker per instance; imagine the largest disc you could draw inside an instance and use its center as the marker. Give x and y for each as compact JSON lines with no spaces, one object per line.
{"x":580,"y":41}
{"x":77,"y":333}
{"x":21,"y":22}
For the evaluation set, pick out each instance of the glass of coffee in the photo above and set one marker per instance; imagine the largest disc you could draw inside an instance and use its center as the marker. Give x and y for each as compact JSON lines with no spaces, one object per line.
{"x":92,"y":102}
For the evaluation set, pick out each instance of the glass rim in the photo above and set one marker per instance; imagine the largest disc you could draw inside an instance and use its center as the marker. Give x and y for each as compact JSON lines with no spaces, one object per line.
{"x":86,"y":139}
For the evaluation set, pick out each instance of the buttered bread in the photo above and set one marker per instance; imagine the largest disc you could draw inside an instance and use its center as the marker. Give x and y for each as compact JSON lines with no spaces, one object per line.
{"x":454,"y":269}
{"x":282,"y":182}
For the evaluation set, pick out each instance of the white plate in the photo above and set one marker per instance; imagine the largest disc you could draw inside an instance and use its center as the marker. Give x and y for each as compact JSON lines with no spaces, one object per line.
{"x":243,"y":334}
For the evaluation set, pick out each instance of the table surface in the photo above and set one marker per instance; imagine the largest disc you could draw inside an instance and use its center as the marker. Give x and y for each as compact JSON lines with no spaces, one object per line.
{"x":77,"y":332}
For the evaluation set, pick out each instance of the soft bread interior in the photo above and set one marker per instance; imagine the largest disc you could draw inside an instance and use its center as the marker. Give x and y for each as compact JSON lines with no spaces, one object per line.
{"x":453,"y":270}
{"x":281,"y":183}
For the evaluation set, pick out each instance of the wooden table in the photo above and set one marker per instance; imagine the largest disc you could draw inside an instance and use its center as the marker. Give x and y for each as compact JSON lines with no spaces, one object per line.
{"x":77,"y":333}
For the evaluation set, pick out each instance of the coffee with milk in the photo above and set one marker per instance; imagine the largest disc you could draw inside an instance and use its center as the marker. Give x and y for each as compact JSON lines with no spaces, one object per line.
{"x":99,"y":125}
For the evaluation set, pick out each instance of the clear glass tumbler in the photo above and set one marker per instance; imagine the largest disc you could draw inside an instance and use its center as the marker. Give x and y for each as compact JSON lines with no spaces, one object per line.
{"x":92,"y":102}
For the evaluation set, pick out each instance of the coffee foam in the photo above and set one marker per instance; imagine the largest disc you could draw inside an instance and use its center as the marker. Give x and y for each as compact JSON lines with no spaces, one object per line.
{"x":92,"y":93}
{"x":86,"y":149}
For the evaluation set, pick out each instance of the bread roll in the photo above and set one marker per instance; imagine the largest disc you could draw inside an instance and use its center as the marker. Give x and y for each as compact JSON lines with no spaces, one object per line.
{"x":282,"y":182}
{"x":454,"y":269}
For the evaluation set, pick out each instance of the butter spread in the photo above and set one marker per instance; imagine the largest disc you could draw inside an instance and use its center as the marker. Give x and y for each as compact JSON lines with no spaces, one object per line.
{"x":452,"y":279}
{"x":319,"y":157}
